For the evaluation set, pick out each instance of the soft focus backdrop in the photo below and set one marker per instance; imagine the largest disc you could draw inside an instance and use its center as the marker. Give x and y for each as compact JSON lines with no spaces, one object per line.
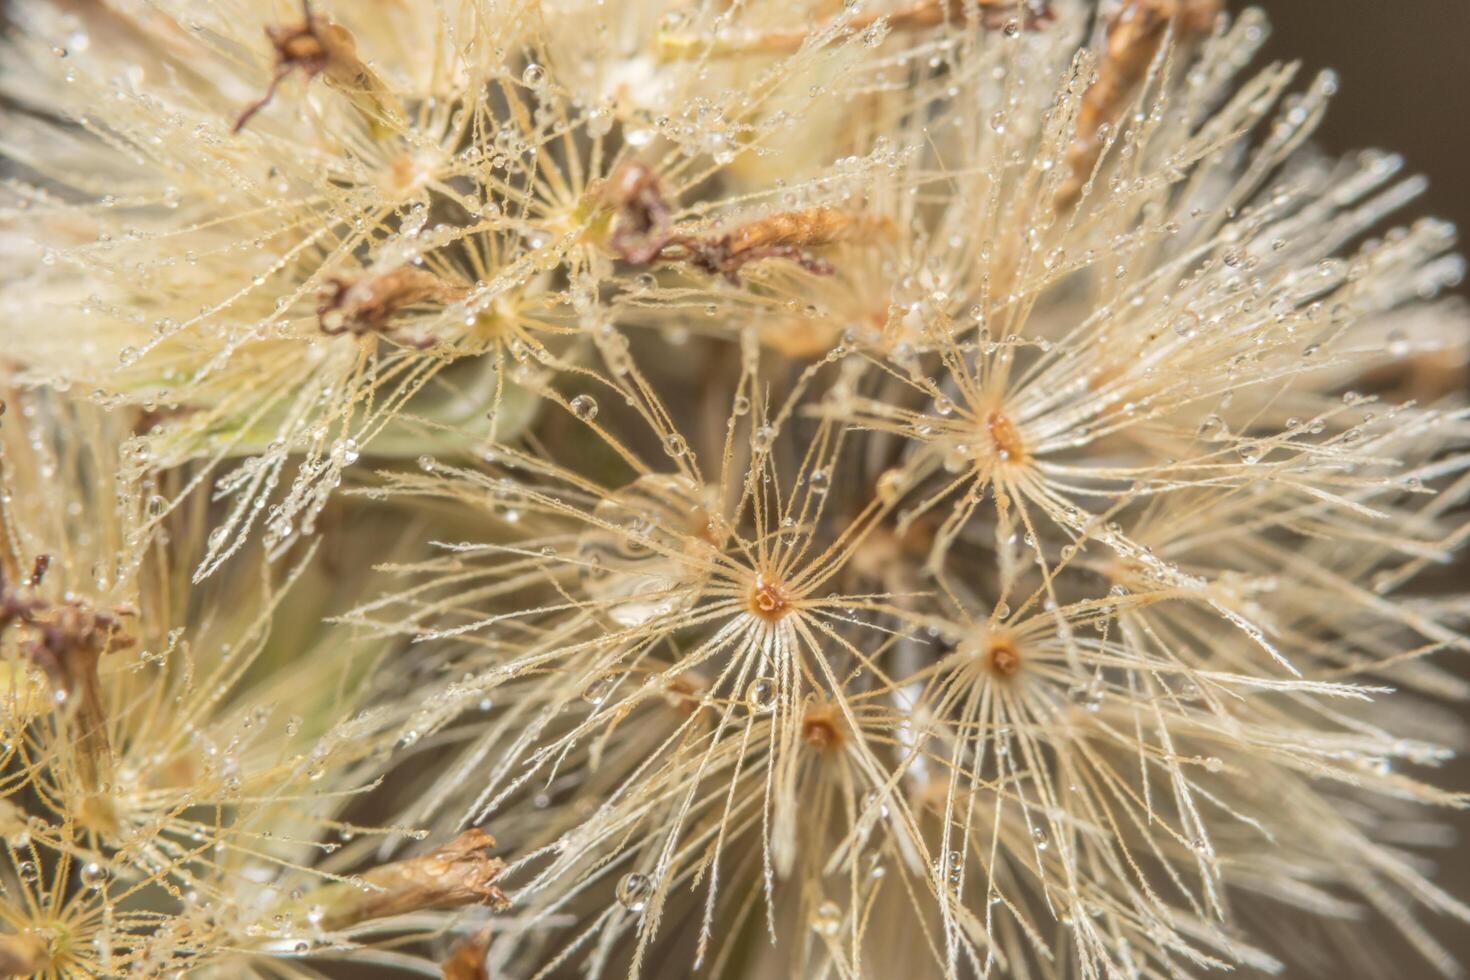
{"x":1405,"y":82}
{"x":1405,"y":86}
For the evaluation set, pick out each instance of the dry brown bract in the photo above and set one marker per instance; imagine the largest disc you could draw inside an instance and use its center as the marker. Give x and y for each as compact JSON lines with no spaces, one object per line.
{"x":1135,"y":33}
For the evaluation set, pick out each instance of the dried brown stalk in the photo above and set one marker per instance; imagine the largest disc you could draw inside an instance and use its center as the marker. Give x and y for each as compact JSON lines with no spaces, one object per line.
{"x":788,"y":235}
{"x":1134,"y":35}
{"x":643,"y":232}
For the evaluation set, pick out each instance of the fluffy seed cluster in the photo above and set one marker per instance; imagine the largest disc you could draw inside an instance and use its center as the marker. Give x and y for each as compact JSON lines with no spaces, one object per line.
{"x":837,"y":488}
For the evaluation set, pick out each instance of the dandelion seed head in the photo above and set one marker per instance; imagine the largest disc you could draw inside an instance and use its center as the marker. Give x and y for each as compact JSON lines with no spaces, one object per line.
{"x":899,"y":487}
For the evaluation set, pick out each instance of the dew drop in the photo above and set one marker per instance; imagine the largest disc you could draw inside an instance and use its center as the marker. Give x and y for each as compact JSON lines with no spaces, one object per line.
{"x":1186,"y":324}
{"x":1213,"y":429}
{"x":891,"y":484}
{"x":93,"y":875}
{"x":599,"y":122}
{"x":1088,"y":697}
{"x":827,"y":919}
{"x":760,"y":696}
{"x":584,"y":407}
{"x":633,"y":891}
{"x":599,"y":689}
{"x":875,"y":801}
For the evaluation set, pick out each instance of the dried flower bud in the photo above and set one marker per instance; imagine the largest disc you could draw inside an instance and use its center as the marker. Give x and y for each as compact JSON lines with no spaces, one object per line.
{"x":67,"y":641}
{"x":458,"y":874}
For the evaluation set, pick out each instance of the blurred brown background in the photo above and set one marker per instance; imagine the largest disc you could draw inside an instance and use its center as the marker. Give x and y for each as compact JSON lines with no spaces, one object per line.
{"x":1404,"y":68}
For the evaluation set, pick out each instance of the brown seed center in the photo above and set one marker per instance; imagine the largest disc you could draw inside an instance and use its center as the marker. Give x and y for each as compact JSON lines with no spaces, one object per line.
{"x":1002,"y":659}
{"x":1005,"y":438}
{"x":769,"y":600}
{"x":820,"y":730}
